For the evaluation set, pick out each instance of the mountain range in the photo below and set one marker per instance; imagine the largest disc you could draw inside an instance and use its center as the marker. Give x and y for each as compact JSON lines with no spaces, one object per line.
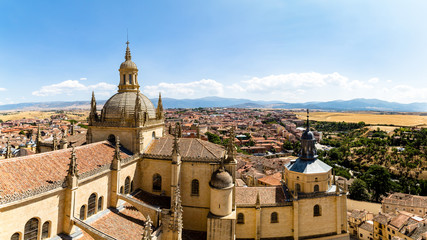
{"x":359,"y":104}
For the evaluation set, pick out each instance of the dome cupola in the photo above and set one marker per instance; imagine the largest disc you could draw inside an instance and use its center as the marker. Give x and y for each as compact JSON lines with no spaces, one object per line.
{"x":128,"y":74}
{"x":221,"y":179}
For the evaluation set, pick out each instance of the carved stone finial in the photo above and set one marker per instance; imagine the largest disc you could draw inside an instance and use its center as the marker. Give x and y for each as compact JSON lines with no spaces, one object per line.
{"x":159,"y":109}
{"x":175,"y":146}
{"x":8,"y":149}
{"x":93,"y":116}
{"x":175,"y":224}
{"x":72,"y":166}
{"x":147,"y":229}
{"x":231,"y":150}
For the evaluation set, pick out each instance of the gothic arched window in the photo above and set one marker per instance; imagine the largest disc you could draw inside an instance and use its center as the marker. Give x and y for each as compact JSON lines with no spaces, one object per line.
{"x":240,"y":218}
{"x":91,"y":204}
{"x":274,"y":218}
{"x":82,"y":212}
{"x":121,"y":189}
{"x":45,"y":230}
{"x":127,"y":185}
{"x":157,"y":183}
{"x":100,"y":199}
{"x":15,"y":236}
{"x":112,"y":139}
{"x":131,"y":186}
{"x":317,"y":211}
{"x":297,"y":187}
{"x":31,"y":230}
{"x":316,"y":188}
{"x":195,"y":187}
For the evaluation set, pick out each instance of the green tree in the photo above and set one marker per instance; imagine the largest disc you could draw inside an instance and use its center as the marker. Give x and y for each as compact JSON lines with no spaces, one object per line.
{"x":359,"y":190}
{"x":378,"y":180}
{"x":213,"y":138}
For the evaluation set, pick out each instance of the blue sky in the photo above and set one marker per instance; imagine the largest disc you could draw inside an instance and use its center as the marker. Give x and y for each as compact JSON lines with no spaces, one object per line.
{"x":292,"y":51}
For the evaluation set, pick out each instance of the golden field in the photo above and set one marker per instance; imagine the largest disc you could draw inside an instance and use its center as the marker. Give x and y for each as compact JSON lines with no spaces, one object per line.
{"x":400,"y":119}
{"x":16,"y":115}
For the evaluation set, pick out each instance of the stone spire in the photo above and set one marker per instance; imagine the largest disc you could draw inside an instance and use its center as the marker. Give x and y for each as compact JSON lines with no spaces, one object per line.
{"x":231,"y":150}
{"x":64,"y":142}
{"x":8,"y":149}
{"x":55,"y":142}
{"x":38,"y":140}
{"x":72,"y":167}
{"x":93,"y":116}
{"x":175,"y":224}
{"x":178,"y":130}
{"x":159,"y":109}
{"x":175,"y":146}
{"x":308,"y":143}
{"x":147,"y":229}
{"x":72,"y":172}
{"x":116,"y":164}
{"x":198,"y":131}
{"x":128,"y":57}
{"x":139,"y":118}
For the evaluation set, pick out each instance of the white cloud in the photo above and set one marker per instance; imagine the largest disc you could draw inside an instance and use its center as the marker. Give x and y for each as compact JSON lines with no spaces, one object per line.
{"x":373,"y":80}
{"x":204,"y":87}
{"x":2,"y":89}
{"x":293,"y":81}
{"x":83,"y":79}
{"x":68,"y":87}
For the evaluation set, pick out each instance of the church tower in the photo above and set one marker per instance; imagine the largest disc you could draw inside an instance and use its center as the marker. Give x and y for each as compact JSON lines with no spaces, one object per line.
{"x":128,"y":114}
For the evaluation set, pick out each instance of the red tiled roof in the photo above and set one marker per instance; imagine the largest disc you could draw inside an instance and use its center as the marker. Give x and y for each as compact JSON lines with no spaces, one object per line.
{"x":269,"y":196}
{"x":23,"y":174}
{"x":188,"y":147}
{"x":273,"y":180}
{"x":128,"y":224}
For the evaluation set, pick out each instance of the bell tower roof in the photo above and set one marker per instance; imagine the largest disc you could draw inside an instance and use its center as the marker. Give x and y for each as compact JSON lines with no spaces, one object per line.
{"x":308,"y":148}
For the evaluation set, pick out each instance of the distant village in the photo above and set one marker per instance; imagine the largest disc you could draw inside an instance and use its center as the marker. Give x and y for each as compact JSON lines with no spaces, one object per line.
{"x":260,"y":136}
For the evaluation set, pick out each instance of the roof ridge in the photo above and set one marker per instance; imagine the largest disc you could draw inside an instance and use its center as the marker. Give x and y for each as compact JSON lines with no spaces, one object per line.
{"x":204,"y":146}
{"x":48,"y":153}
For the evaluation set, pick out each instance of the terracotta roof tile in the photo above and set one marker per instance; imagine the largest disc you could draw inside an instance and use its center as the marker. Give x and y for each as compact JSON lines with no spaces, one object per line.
{"x":190,"y":148}
{"x":128,"y":224}
{"x":22,"y":174}
{"x":269,"y":196}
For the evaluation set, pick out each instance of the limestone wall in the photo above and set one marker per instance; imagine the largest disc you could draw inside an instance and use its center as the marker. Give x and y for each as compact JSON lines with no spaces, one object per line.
{"x":43,"y":207}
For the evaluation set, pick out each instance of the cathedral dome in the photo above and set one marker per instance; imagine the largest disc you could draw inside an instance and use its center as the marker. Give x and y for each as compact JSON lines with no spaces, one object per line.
{"x":124,"y":103}
{"x":128,"y":64}
{"x":221,"y":179}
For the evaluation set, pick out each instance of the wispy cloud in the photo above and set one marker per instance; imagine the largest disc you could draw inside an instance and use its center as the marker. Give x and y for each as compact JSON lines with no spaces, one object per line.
{"x":69,"y":87}
{"x":83,"y":79}
{"x":204,"y":87}
{"x":2,"y":89}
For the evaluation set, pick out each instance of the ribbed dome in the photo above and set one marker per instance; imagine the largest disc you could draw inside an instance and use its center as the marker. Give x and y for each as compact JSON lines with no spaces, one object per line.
{"x":128,"y":64}
{"x":113,"y":108}
{"x":221,"y":179}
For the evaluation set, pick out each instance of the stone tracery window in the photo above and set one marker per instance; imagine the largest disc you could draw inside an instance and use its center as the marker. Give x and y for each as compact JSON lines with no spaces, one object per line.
{"x":127,"y":185}
{"x":45,"y":230}
{"x":240,"y":218}
{"x":157,"y":183}
{"x":316,"y":188}
{"x":82,"y":212}
{"x":91,"y":205}
{"x":317,"y":211}
{"x":15,"y":236}
{"x":31,"y":230}
{"x":100,"y":203}
{"x":195,"y":187}
{"x":274,"y":217}
{"x":297,"y":187}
